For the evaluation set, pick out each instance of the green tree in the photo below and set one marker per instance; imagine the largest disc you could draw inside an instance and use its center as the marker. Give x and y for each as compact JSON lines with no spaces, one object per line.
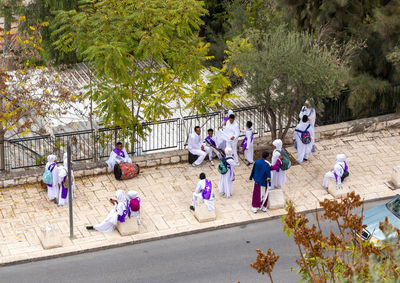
{"x":146,"y":54}
{"x":283,"y":68}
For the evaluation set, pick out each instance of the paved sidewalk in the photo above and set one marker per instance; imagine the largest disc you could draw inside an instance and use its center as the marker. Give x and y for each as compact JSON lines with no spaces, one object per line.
{"x":166,"y":193}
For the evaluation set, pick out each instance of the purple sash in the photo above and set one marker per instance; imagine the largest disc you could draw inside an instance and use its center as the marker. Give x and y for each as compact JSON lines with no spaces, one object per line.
{"x":206,"y":193}
{"x":226,"y":119}
{"x":244,"y":144}
{"x":119,"y":152}
{"x":121,"y":218}
{"x":64,"y":190}
{"x":210,"y":141}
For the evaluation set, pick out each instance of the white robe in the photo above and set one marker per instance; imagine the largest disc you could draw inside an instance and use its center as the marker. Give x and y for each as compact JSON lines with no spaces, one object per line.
{"x":114,"y":159}
{"x":53,"y":190}
{"x":197,"y":195}
{"x":339,"y":170}
{"x":310,"y":112}
{"x":249,"y":152}
{"x":63,"y":173}
{"x":303,"y":150}
{"x":108,"y":224}
{"x":225,"y":185}
{"x":194,"y":146}
{"x":277,"y":178}
{"x":232,"y":130}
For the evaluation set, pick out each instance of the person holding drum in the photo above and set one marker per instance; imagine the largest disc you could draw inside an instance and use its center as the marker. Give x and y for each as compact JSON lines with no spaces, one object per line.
{"x":118,"y":155}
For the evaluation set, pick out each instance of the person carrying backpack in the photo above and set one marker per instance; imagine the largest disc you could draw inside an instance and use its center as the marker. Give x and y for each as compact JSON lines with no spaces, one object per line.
{"x":51,"y":178}
{"x":134,"y":205}
{"x":303,"y":136}
{"x":227,"y":170}
{"x":279,"y":164}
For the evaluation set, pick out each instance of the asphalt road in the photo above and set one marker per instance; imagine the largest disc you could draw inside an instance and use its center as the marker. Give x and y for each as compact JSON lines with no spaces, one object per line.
{"x":216,"y":256}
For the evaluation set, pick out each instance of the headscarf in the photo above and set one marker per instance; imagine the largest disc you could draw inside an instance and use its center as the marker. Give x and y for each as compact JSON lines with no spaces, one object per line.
{"x":307,"y":102}
{"x":132,"y":194}
{"x":228,"y":152}
{"x":51,"y":159}
{"x":278,"y":144}
{"x":341,"y":158}
{"x":120,"y":195}
{"x":275,"y":157}
{"x":230,"y":112}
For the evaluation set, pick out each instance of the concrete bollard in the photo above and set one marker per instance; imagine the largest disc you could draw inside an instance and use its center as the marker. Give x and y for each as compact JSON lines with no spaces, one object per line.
{"x":129,"y":227}
{"x":396,"y":176}
{"x":202,"y":213}
{"x":276,"y":199}
{"x":337,"y":190}
{"x":50,"y":237}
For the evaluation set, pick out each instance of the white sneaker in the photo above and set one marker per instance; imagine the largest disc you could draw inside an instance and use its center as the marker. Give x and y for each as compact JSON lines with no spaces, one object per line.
{"x":254,"y":209}
{"x":194,"y":165}
{"x":212,"y":163}
{"x":264,"y":209}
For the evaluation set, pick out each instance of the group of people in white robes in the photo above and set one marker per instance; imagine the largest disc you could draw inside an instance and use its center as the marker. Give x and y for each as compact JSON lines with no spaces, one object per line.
{"x":58,"y":190}
{"x":122,"y":208}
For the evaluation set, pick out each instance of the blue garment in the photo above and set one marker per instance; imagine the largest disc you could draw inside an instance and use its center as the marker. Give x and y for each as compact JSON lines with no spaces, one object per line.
{"x":261,"y":173}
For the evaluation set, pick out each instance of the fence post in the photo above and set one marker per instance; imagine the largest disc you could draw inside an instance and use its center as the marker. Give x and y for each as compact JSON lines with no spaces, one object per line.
{"x":261,"y":124}
{"x":95,"y":143}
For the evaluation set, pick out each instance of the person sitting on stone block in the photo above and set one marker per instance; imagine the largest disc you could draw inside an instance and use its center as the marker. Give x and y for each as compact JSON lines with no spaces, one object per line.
{"x":203,"y":192}
{"x":339,"y":173}
{"x":118,"y":155}
{"x":118,"y":213}
{"x":134,"y":205}
{"x":211,"y":146}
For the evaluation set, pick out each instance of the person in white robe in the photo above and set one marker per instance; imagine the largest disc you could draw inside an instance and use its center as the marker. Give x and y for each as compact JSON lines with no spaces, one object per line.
{"x":63,"y":197}
{"x":225,"y":186}
{"x":226,"y":118}
{"x":211,"y":146}
{"x":53,"y":189}
{"x":204,"y":192}
{"x":231,"y":133}
{"x":303,"y":150}
{"x":117,"y":213}
{"x":134,"y":205}
{"x":278,"y":177}
{"x":118,"y":155}
{"x":247,"y":143}
{"x":337,"y":172}
{"x":311,"y":114}
{"x":196,"y":147}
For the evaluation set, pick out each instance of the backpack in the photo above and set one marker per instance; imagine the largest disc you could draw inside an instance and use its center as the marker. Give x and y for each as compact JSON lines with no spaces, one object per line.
{"x":134,"y":204}
{"x":286,"y":163}
{"x":223,"y":166}
{"x":48,"y":176}
{"x":305,"y":135}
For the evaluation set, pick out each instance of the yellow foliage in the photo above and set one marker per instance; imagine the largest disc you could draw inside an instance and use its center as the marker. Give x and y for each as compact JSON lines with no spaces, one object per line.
{"x":31,"y":28}
{"x":22,"y":18}
{"x":45,"y":24}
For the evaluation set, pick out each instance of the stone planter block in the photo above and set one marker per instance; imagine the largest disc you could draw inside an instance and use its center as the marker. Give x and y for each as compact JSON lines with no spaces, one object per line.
{"x":50,"y":238}
{"x":276,"y":199}
{"x":129,"y":227}
{"x":396,"y":176}
{"x":202,"y":213}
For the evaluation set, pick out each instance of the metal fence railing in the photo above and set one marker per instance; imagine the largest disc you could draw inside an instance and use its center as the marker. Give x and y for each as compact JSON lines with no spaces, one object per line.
{"x":164,"y":135}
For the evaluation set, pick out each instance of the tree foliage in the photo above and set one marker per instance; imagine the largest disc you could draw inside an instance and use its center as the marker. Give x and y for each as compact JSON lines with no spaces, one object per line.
{"x":330,"y":256}
{"x":147,"y":55}
{"x":284,"y":68}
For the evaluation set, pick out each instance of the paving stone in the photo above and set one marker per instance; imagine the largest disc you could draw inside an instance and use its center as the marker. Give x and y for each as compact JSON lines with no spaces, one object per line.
{"x":276,"y":199}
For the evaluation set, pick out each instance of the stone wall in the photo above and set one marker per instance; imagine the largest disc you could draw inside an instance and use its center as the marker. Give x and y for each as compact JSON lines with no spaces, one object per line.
{"x":34,"y":175}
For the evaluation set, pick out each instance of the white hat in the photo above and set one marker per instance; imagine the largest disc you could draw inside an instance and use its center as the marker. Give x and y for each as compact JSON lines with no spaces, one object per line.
{"x":230,"y":112}
{"x":277,"y":143}
{"x":51,"y":158}
{"x":307,"y":102}
{"x":132,"y":194}
{"x":341,"y":157}
{"x":120,"y":195}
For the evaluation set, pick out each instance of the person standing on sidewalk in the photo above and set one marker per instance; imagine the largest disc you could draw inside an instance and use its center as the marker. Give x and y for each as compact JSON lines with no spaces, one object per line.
{"x":52,"y":170}
{"x":227,"y":170}
{"x":247,"y":143}
{"x":310,"y":113}
{"x":261,"y":173}
{"x":232,"y":132}
{"x":278,"y":176}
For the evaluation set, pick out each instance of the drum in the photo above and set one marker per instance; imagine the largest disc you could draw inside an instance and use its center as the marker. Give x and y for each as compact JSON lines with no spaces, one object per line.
{"x":124,"y":170}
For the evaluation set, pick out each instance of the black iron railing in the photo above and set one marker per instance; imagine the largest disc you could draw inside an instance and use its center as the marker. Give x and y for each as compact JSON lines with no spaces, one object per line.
{"x":165,"y":135}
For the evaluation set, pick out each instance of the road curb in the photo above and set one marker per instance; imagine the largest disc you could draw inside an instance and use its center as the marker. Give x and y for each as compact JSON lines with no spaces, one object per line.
{"x":178,"y":234}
